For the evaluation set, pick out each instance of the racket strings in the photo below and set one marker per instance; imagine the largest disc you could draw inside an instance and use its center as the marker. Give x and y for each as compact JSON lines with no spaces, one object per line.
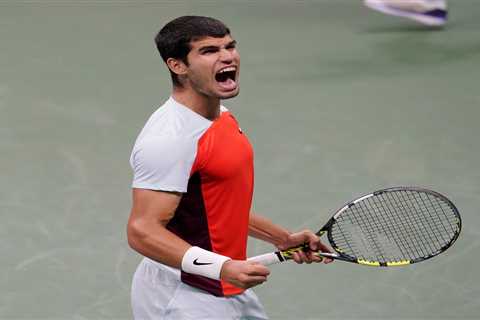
{"x":418,"y":222}
{"x":386,"y":229}
{"x":435,"y":220}
{"x":432,"y":222}
{"x":395,"y":226}
{"x":424,"y":236}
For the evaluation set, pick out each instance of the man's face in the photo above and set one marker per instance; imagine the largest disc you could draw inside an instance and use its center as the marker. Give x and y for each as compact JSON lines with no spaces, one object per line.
{"x":214,"y":66}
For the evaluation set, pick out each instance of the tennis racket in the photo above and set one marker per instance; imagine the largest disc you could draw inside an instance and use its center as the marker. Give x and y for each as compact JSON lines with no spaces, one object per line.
{"x":390,"y":227}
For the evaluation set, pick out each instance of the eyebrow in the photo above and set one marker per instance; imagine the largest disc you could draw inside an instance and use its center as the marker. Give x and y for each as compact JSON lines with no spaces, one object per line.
{"x":206,"y":48}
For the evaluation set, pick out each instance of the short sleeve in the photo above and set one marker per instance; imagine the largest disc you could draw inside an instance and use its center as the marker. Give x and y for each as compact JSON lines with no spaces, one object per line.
{"x":162,"y":163}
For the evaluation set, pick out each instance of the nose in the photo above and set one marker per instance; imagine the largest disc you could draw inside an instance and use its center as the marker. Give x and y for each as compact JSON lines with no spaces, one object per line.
{"x":226,"y":55}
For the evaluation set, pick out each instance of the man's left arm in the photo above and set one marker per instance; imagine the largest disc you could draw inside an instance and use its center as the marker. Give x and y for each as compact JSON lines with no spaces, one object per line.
{"x":264,"y":229}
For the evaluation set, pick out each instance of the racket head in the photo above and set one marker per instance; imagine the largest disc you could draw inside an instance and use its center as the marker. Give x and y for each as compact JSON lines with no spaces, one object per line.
{"x":394,"y":227}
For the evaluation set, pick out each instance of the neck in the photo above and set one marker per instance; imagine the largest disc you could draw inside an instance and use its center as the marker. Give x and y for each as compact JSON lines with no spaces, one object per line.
{"x":207,"y":107}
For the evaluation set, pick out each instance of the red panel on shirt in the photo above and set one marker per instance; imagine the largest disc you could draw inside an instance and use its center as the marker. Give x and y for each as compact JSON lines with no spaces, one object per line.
{"x":225,"y":164}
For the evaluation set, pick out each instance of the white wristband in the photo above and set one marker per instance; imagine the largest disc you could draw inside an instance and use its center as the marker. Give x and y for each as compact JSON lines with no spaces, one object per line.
{"x":202,"y":262}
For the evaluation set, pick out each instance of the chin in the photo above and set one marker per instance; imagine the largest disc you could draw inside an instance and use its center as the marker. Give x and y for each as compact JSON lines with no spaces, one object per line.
{"x":229,"y":95}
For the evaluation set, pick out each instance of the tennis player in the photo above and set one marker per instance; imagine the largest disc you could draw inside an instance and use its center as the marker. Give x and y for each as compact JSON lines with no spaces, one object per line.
{"x":193,"y":186}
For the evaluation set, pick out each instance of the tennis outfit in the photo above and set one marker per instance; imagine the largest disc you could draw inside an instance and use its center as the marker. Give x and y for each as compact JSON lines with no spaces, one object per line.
{"x":211,"y":163}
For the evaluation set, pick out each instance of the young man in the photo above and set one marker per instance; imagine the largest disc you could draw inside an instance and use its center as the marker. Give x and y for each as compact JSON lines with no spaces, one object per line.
{"x":192,"y":189}
{"x":428,"y":12}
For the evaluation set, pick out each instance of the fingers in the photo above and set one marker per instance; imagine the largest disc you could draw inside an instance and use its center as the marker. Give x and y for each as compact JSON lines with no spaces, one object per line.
{"x":306,"y":257}
{"x":314,"y":243}
{"x":301,"y":237}
{"x":313,"y":240}
{"x":248,"y":281}
{"x":315,"y":257}
{"x":310,"y":257}
{"x":298,"y":257}
{"x":305,"y":236}
{"x":254,"y":274}
{"x":244,"y":274}
{"x":257,"y":269}
{"x":324,"y":248}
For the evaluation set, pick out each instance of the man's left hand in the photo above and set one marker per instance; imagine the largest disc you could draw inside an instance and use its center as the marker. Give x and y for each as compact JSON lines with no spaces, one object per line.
{"x":306,"y":236}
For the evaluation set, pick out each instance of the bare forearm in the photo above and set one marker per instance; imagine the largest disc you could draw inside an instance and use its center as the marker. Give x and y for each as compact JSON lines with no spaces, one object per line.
{"x":156,"y":242}
{"x":146,"y":229}
{"x":264,"y":229}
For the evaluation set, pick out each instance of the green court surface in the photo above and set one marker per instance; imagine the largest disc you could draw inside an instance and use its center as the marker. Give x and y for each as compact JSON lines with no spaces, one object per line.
{"x":337,"y":100}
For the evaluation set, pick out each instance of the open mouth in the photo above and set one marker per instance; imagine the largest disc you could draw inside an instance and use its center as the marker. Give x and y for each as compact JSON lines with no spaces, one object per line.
{"x":226,"y":78}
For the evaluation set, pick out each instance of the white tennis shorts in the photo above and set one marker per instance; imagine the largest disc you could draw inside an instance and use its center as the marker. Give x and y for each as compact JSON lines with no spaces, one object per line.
{"x":158,"y":293}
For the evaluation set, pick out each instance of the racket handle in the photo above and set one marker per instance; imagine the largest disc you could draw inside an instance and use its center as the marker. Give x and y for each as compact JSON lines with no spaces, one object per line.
{"x":278,"y":256}
{"x":281,"y":256}
{"x":268,"y":258}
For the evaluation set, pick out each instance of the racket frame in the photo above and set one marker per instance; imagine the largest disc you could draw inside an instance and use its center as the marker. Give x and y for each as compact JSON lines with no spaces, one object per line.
{"x":283,"y":255}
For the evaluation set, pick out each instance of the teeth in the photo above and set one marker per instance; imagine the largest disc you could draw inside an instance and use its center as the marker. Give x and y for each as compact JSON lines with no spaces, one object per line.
{"x":228,"y":69}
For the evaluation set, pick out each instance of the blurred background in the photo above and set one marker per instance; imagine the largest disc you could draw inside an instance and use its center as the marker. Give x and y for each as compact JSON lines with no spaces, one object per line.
{"x":337,"y":100}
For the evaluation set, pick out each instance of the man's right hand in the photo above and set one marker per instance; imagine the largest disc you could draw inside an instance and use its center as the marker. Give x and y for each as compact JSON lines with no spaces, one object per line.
{"x":244,"y":274}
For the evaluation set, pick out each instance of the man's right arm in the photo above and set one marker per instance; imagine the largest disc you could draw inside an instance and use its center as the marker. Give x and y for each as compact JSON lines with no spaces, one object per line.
{"x":146,"y":229}
{"x":148,"y":235}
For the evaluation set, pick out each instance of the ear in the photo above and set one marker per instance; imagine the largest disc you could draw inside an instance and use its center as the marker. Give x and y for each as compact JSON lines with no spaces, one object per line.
{"x":177,"y":66}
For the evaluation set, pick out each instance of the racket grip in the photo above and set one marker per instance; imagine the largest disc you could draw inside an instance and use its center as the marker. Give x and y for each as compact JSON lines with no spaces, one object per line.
{"x":267,"y":258}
